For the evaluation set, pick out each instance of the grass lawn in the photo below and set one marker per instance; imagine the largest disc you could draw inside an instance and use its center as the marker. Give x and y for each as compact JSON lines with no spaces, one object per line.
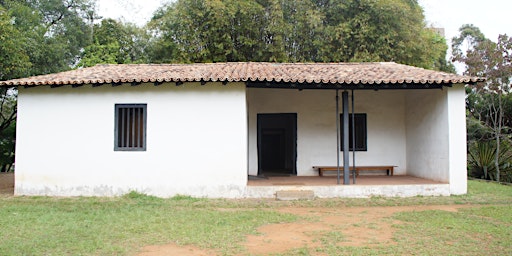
{"x":121,"y":226}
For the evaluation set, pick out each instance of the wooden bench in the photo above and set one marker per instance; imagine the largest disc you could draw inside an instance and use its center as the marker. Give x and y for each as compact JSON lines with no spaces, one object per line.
{"x":387,"y":168}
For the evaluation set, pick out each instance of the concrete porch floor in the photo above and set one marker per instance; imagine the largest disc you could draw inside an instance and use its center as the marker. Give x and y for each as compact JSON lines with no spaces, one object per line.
{"x":332,"y":180}
{"x":366,"y":186}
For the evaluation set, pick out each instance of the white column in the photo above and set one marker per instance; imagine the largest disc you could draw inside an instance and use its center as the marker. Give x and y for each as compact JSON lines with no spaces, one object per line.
{"x":457,"y":139}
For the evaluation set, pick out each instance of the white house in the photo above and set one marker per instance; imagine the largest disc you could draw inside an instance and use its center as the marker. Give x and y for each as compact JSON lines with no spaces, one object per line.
{"x":202,"y":129}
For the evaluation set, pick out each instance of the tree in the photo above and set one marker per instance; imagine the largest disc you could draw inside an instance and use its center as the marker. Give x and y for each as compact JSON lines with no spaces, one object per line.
{"x":14,"y":61}
{"x":493,"y":61}
{"x":8,"y":112}
{"x":209,"y":31}
{"x":302,"y":30}
{"x":115,"y":43}
{"x":56,"y":31}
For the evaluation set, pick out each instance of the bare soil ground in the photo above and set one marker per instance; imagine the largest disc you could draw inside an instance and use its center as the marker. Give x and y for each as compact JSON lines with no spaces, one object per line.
{"x":7,"y":183}
{"x":351,"y":226}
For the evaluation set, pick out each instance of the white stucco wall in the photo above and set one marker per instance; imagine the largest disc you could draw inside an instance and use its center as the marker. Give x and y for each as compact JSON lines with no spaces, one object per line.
{"x":458,"y":140}
{"x":436,"y":136}
{"x":316,"y":126}
{"x":196,"y":141}
{"x":427,"y":134}
{"x":202,"y":140}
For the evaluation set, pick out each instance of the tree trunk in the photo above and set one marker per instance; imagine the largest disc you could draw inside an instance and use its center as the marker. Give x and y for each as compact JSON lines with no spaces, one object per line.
{"x":498,"y":134}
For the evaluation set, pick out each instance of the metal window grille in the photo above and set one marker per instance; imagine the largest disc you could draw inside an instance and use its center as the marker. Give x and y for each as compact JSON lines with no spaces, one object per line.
{"x":360,"y":132}
{"x":130,"y":127}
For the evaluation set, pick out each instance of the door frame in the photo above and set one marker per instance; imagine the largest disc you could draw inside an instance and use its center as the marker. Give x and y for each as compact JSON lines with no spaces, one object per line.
{"x":292,"y":129}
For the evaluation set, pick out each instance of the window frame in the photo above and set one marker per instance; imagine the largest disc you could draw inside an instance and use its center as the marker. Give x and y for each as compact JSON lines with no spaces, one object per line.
{"x":140,"y":136}
{"x":360,"y":131}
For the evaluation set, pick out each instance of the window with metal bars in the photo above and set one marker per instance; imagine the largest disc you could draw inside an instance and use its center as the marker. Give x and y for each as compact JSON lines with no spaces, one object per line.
{"x":130,"y":127}
{"x":360,"y":132}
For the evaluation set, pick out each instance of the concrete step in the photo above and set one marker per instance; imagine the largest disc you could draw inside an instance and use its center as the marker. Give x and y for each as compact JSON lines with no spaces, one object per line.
{"x":295,"y":195}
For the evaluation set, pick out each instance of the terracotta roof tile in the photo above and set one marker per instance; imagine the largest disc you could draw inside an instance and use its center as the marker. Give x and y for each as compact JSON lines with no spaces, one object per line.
{"x":325,"y":73}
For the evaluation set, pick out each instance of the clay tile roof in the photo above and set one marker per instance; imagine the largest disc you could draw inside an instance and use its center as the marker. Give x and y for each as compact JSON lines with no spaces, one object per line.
{"x":313,"y":73}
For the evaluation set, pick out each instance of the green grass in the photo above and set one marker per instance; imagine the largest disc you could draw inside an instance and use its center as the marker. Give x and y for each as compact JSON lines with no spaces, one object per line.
{"x":473,"y":231}
{"x":121,"y":226}
{"x":116,"y":226}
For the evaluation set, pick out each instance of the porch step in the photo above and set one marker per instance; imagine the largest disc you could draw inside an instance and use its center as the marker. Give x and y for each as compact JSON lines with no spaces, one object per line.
{"x":295,"y":195}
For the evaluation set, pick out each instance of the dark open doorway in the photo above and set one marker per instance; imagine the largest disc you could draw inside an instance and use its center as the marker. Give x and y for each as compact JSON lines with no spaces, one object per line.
{"x":277,"y":144}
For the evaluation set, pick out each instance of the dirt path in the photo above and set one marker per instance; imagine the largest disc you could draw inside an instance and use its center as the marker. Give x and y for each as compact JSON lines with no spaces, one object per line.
{"x":7,"y":183}
{"x":352,"y":226}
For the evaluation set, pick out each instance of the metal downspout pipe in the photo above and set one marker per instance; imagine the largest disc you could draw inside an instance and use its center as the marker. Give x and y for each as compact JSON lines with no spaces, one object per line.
{"x":338,"y":137}
{"x":346,"y":157}
{"x":353,"y":141}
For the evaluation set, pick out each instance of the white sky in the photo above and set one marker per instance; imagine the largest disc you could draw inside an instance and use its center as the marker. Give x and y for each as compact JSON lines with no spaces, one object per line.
{"x":134,"y":11}
{"x":491,"y":16}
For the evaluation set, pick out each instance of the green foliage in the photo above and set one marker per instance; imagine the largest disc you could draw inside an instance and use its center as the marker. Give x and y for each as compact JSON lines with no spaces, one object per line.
{"x":134,"y":195}
{"x":207,"y":31}
{"x":14,"y":61}
{"x":296,"y":31}
{"x":54,"y":32}
{"x":114,"y":43}
{"x":482,"y":111}
{"x":489,"y":104}
{"x":472,"y":38}
{"x":7,"y":146}
{"x":99,"y":54}
{"x":8,"y":110}
{"x":386,"y":30}
{"x":481,"y":161}
{"x":185,"y":198}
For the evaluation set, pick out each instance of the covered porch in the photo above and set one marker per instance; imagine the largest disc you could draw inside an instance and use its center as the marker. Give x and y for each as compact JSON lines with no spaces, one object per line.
{"x":420,"y":132}
{"x":415,"y":126}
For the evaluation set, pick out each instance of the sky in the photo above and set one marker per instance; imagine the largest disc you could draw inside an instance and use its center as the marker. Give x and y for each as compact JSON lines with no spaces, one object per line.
{"x":491,"y":16}
{"x":134,"y":11}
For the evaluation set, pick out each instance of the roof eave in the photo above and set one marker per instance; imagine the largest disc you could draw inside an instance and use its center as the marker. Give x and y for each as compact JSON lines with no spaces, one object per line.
{"x":367,"y":85}
{"x":348,"y":86}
